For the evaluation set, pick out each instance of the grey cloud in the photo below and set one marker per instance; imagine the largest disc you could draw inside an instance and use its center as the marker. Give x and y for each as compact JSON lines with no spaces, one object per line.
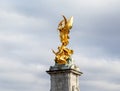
{"x":16,"y":75}
{"x":101,"y":31}
{"x":99,"y":73}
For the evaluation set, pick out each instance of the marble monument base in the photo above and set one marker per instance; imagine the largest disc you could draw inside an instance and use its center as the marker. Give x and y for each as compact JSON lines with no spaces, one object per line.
{"x":64,"y":78}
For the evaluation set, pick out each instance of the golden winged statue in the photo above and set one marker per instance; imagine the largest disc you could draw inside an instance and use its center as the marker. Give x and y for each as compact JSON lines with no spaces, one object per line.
{"x":63,"y":54}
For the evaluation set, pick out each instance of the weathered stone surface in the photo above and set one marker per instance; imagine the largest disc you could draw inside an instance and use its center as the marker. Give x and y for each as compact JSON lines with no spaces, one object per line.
{"x":64,"y":79}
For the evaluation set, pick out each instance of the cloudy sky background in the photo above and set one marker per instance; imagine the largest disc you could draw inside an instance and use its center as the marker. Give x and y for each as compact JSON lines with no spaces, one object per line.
{"x":28,"y":32}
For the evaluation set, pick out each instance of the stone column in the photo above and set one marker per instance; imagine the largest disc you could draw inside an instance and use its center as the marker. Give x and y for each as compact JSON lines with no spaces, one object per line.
{"x":64,"y":78}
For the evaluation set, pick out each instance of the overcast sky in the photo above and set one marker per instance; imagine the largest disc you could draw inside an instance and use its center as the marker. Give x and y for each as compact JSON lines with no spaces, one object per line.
{"x":28,"y":32}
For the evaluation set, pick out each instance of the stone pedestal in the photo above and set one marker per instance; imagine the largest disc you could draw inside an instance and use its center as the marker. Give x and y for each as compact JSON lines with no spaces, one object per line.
{"x":64,"y":78}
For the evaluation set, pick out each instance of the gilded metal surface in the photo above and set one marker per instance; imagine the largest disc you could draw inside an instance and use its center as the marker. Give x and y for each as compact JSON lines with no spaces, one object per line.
{"x":63,"y":54}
